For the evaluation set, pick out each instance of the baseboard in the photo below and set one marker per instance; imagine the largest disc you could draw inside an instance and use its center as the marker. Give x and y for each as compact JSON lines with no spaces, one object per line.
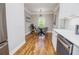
{"x":13,"y":51}
{"x":27,"y":33}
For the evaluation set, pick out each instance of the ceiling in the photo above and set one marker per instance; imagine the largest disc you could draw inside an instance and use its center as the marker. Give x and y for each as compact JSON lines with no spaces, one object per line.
{"x":44,"y":7}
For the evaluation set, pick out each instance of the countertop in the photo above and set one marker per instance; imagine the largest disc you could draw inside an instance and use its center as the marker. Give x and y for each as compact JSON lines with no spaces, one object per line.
{"x":70,"y":35}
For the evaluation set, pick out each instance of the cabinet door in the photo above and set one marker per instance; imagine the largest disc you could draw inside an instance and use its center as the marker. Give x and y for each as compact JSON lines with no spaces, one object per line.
{"x":75,"y":50}
{"x":54,"y":39}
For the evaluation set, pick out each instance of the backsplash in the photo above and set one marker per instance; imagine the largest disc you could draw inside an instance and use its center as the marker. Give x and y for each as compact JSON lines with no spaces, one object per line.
{"x":73,"y":22}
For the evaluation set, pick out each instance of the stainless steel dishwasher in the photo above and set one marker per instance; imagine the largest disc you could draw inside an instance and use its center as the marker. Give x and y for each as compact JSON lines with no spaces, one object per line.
{"x":64,"y":47}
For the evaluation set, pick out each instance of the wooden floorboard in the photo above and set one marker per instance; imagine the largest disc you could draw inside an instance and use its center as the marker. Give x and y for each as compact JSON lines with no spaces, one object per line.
{"x":31,"y":47}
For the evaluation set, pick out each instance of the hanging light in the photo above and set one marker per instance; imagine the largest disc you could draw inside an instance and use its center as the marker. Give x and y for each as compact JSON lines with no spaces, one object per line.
{"x":40,"y":12}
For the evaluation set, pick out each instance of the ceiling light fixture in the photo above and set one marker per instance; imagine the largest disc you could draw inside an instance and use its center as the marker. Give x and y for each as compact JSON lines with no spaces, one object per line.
{"x":40,"y":12}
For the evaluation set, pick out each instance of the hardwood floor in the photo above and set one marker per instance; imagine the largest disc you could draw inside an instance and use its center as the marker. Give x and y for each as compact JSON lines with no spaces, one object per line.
{"x":36,"y":45}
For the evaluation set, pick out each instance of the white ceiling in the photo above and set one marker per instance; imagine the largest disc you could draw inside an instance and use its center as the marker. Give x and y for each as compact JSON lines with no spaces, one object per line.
{"x":45,"y":7}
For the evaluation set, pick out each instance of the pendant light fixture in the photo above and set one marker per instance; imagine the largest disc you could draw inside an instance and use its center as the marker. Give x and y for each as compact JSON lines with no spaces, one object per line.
{"x":40,"y":12}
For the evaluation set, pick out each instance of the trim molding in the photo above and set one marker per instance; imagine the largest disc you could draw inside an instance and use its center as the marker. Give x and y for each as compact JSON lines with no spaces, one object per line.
{"x":14,"y":50}
{"x":29,"y":32}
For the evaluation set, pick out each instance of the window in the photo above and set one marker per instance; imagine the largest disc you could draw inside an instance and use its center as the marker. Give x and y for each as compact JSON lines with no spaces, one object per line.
{"x":41,"y":22}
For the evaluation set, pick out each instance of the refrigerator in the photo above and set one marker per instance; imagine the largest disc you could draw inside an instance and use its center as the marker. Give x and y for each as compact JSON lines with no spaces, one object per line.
{"x":3,"y":31}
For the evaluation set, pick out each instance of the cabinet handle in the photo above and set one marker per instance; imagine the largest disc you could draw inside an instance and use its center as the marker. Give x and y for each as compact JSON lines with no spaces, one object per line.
{"x":3,"y":45}
{"x":63,"y":43}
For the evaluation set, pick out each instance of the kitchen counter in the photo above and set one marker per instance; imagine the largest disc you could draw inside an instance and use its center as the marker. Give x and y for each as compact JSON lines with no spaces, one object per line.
{"x":68,"y":34}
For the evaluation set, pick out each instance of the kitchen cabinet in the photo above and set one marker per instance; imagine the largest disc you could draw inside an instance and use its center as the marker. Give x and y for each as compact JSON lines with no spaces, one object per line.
{"x":67,"y":10}
{"x":54,"y":40}
{"x":75,"y":50}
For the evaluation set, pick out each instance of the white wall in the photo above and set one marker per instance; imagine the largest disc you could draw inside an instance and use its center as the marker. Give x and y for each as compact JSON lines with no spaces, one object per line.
{"x":15,"y":25}
{"x":48,"y":20}
{"x":67,"y":10}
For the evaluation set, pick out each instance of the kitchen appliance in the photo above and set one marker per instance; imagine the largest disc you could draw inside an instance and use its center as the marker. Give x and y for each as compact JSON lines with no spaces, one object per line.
{"x":3,"y":31}
{"x":64,"y":47}
{"x":77,"y":29}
